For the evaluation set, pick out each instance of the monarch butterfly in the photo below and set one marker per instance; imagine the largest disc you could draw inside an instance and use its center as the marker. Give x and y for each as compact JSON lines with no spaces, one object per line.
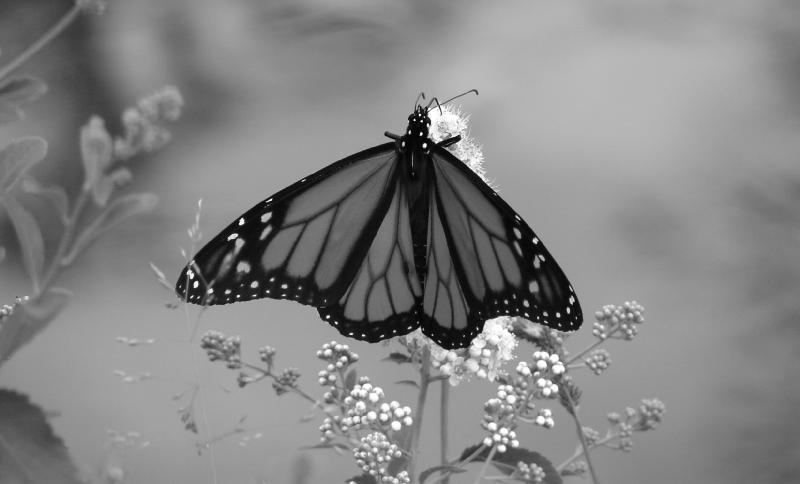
{"x":396,"y":237}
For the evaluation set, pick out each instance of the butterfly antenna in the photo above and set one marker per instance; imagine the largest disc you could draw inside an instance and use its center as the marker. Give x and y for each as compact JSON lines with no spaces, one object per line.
{"x":439,"y":105}
{"x":421,"y":96}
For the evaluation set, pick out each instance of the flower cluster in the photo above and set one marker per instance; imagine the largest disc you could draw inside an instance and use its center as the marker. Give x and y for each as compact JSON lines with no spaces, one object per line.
{"x":484,"y":359}
{"x":373,"y":456}
{"x":624,"y":319}
{"x":646,"y":417}
{"x":286,"y":380}
{"x":6,"y":310}
{"x":223,"y":348}
{"x":339,"y":358}
{"x":598,"y":361}
{"x":530,"y":472}
{"x":516,"y":399}
{"x":267,"y":355}
{"x":365,"y":407}
{"x":143,"y":125}
{"x":447,"y":122}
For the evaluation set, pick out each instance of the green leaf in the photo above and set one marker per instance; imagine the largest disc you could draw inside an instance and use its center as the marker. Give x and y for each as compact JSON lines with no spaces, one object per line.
{"x":29,"y":449}
{"x":55,"y":194}
{"x":28,"y":319}
{"x":350,"y":379}
{"x":398,"y":358}
{"x":329,"y":445}
{"x":29,"y":235}
{"x":20,"y":90}
{"x":18,"y":157}
{"x":2,"y":253}
{"x":445,"y":469}
{"x":506,"y":462}
{"x":120,"y":210}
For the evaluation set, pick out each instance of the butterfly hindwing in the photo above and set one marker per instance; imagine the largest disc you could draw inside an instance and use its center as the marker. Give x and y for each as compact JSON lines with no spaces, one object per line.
{"x":502,"y":267}
{"x":384,"y":297}
{"x":305,"y":243}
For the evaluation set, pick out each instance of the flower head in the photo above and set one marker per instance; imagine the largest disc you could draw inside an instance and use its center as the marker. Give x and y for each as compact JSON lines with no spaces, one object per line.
{"x":373,"y":456}
{"x":223,"y":348}
{"x":485,"y":357}
{"x":449,"y":121}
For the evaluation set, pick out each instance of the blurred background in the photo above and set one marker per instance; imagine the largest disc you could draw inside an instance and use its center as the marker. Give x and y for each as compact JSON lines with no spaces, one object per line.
{"x":653,"y":144}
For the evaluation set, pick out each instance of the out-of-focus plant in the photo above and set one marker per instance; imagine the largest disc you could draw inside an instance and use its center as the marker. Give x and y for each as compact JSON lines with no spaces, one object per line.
{"x":73,"y":221}
{"x":383,"y":435}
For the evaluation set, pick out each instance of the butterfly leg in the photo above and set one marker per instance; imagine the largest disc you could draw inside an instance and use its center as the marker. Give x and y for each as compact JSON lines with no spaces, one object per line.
{"x":449,"y":141}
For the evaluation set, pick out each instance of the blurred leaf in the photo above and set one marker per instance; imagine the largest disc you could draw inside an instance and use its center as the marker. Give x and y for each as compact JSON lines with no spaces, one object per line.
{"x":30,"y":237}
{"x":398,"y":358}
{"x":15,"y":92}
{"x":28,"y":319}
{"x":411,"y":383}
{"x":96,"y":151}
{"x":350,"y":379}
{"x":20,"y":90}
{"x":362,"y":479}
{"x":30,"y":452}
{"x":2,"y":253}
{"x":18,"y":157}
{"x":105,"y":185}
{"x":506,"y":462}
{"x":329,"y":445}
{"x":424,"y":475}
{"x":55,"y":194}
{"x":121,"y":209}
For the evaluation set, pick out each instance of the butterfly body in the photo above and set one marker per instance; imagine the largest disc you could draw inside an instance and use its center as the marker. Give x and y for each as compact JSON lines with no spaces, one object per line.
{"x":395,"y":237}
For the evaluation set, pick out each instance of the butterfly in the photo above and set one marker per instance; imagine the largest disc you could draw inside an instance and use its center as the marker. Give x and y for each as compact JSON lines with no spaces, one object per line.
{"x":394,"y":238}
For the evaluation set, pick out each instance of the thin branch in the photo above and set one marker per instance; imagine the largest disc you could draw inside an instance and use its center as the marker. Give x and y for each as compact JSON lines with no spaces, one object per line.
{"x":40,"y":43}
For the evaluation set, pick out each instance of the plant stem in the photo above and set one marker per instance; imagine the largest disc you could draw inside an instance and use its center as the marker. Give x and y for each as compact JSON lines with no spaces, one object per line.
{"x":579,"y":452}
{"x":592,"y":346}
{"x":63,"y":244}
{"x":443,"y":411}
{"x":416,"y":429}
{"x":486,"y":464}
{"x":582,"y":437}
{"x":56,"y":29}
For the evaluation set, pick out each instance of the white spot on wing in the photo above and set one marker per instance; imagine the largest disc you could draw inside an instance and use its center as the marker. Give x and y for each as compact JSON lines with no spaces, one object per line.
{"x":233,"y":236}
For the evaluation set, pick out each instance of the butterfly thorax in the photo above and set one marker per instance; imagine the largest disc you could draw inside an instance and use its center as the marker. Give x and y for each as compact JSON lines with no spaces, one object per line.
{"x":414,"y":145}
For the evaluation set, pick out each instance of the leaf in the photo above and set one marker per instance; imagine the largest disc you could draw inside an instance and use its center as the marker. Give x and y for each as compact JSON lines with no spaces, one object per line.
{"x":29,"y":235}
{"x":96,"y":150}
{"x":107,"y":182}
{"x":506,"y":462}
{"x":55,"y":194}
{"x":407,"y":382}
{"x":445,"y":469}
{"x":569,"y":395}
{"x":2,"y":253}
{"x":329,"y":445}
{"x":29,"y":449}
{"x":18,"y":157}
{"x":29,"y":319}
{"x":350,"y":379}
{"x":398,"y":358}
{"x":362,"y":479}
{"x":21,"y":90}
{"x":120,"y":210}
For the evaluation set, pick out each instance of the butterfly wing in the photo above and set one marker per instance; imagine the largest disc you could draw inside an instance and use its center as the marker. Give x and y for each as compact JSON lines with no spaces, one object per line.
{"x":305,"y":243}
{"x":484,"y":261}
{"x":384,"y":298}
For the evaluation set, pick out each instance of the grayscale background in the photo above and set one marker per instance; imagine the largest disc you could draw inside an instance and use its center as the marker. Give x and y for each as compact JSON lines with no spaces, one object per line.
{"x":652,"y":144}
